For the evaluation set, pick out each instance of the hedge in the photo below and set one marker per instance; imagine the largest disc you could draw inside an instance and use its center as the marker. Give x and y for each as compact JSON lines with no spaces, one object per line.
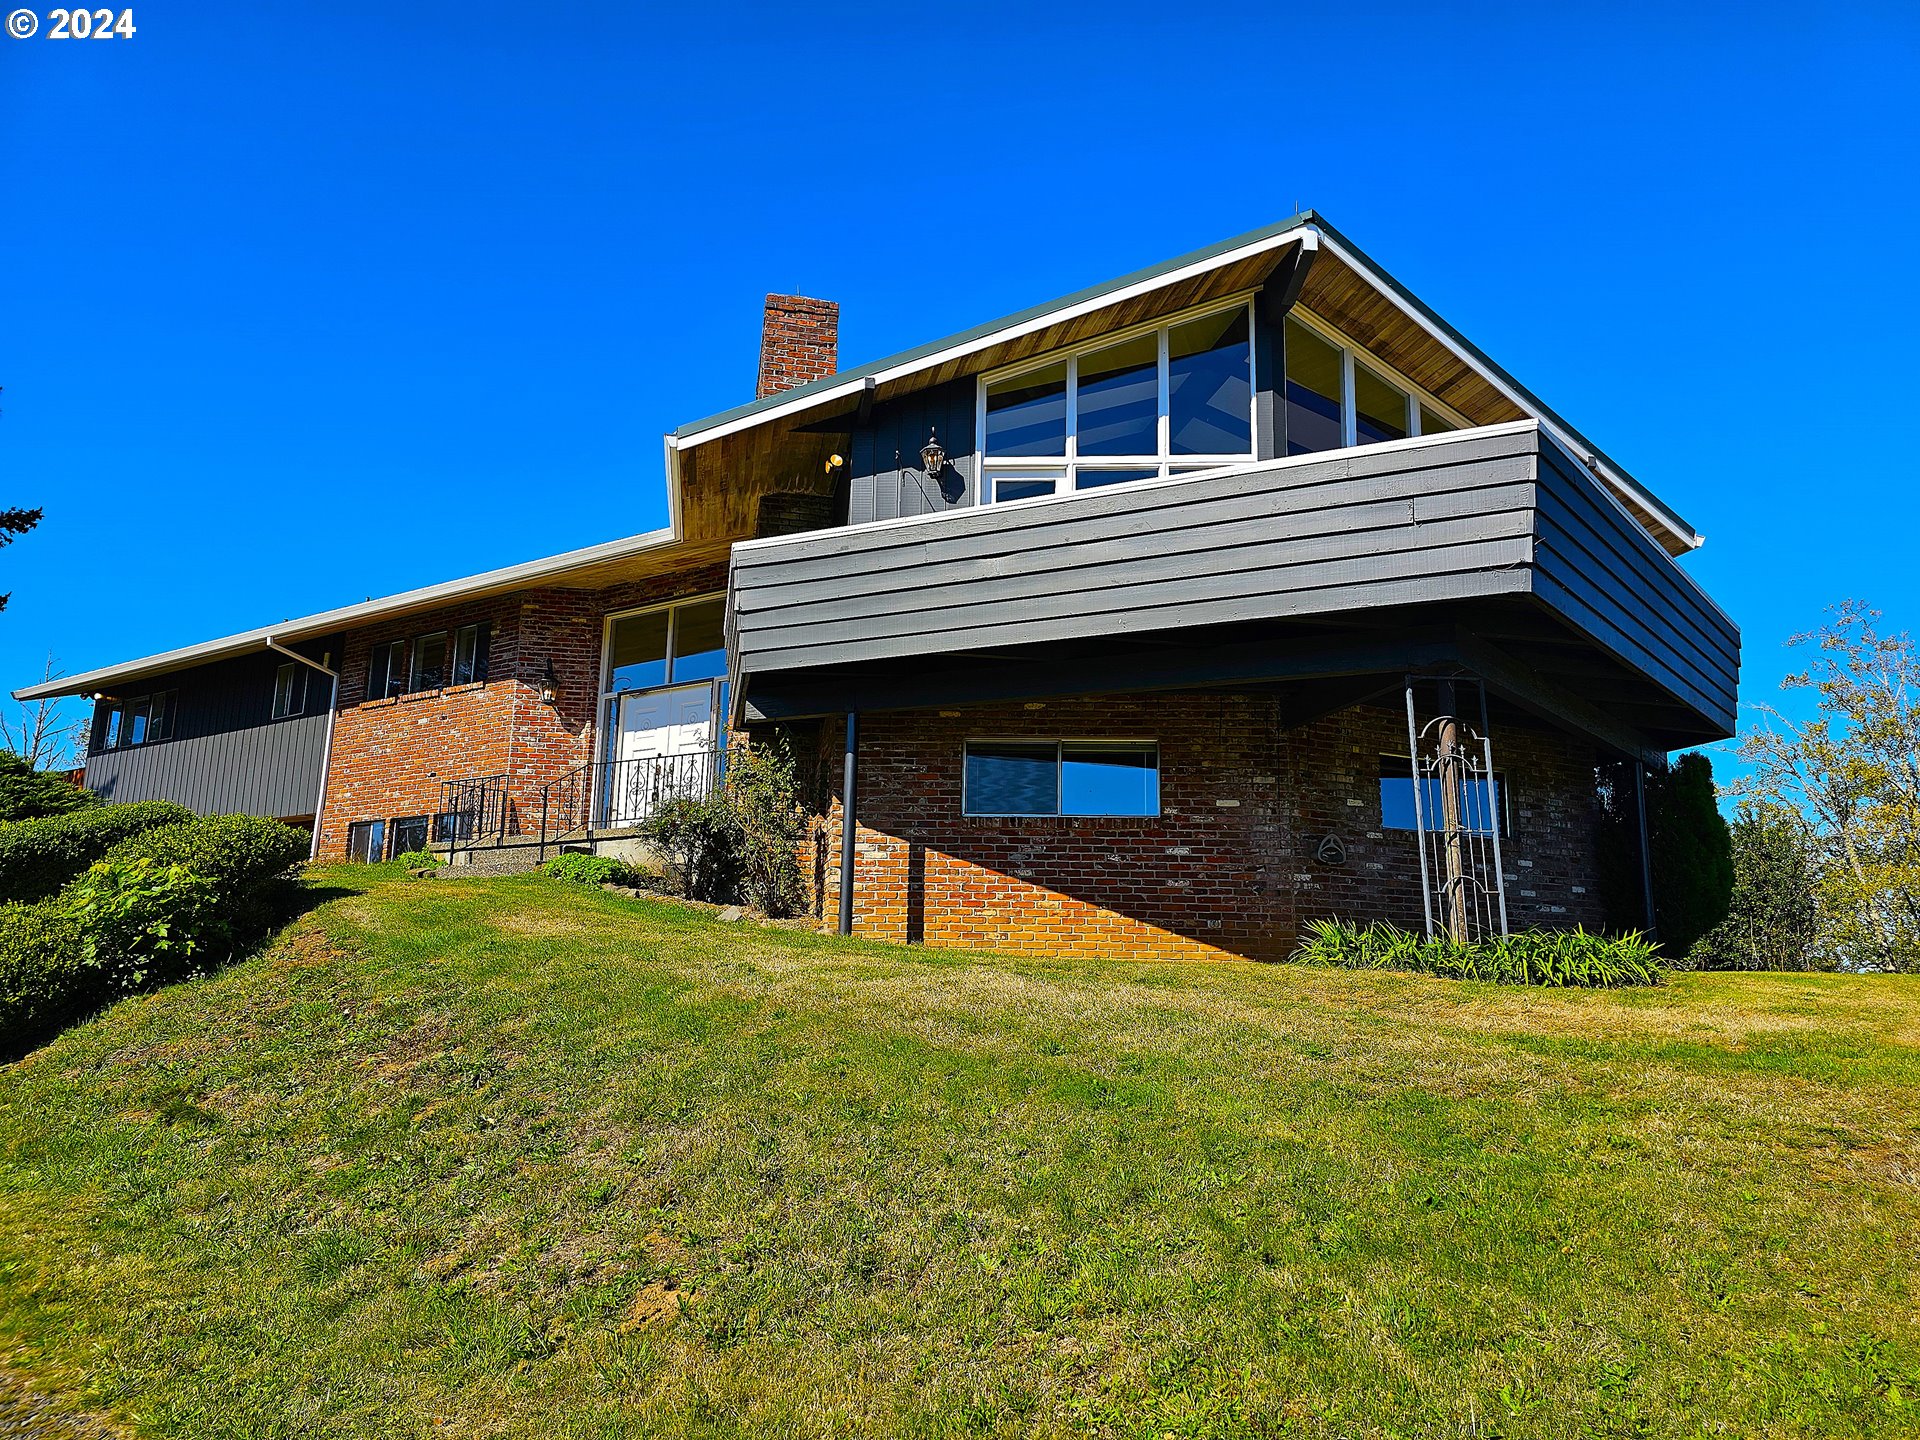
{"x":45,"y":979}
{"x":236,"y":852}
{"x":590,"y":869}
{"x":37,"y":857}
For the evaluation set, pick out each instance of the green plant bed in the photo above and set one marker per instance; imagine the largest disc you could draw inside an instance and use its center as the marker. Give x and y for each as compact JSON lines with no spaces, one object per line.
{"x":591,"y":870}
{"x":1529,"y":957}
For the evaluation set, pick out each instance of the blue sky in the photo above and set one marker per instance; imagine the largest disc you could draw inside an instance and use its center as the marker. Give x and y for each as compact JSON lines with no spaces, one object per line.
{"x":305,"y":304}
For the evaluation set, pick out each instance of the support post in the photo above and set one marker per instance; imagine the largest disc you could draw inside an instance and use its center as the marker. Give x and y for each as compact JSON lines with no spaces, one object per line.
{"x":1646,"y":847}
{"x":847,"y":824}
{"x":1452,"y":823}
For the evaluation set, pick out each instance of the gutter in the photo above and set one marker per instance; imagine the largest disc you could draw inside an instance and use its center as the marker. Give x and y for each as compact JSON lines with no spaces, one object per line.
{"x":326,"y":753}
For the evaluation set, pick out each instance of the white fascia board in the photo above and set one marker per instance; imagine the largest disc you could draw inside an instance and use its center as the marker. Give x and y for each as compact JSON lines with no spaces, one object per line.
{"x":1622,"y":483}
{"x":1305,"y":236}
{"x":347,"y":617}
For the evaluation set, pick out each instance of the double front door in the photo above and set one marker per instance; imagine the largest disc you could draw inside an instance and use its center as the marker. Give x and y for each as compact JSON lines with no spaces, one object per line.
{"x":664,"y":750}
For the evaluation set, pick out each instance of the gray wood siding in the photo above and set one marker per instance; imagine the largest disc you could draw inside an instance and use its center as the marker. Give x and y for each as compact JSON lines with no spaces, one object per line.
{"x":227,"y":755}
{"x":1476,"y":514}
{"x":883,"y":462}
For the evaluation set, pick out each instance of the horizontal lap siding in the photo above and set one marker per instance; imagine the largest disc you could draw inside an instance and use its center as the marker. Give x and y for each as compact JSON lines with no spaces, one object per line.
{"x":1601,"y":571}
{"x":1352,"y":532}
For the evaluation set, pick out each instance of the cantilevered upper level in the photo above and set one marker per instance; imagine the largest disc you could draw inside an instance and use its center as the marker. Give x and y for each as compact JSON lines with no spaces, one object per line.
{"x":1491,"y":550}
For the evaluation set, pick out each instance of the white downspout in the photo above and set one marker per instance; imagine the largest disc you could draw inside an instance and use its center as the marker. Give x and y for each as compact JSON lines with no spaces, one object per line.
{"x":326,"y":753}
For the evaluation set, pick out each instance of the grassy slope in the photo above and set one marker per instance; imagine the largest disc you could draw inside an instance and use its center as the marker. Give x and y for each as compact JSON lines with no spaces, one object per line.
{"x":444,"y":1163}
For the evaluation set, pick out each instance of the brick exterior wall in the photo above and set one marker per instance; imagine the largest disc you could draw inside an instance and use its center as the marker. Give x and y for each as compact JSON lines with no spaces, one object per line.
{"x":1225,"y":869}
{"x":390,"y":756}
{"x":799,"y":343}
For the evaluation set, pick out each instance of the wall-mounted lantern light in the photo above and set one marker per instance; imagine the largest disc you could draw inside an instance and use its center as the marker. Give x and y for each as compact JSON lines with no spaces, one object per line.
{"x":549,"y":685}
{"x":933,"y":456}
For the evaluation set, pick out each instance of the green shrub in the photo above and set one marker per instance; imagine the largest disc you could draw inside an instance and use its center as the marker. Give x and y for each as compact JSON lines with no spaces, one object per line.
{"x":743,"y":841}
{"x":29,"y":794}
{"x":45,"y":979}
{"x":590,"y":869}
{"x":145,"y":922}
{"x":1687,"y":837}
{"x":37,"y":857}
{"x":1531,"y":957}
{"x":417,"y":860}
{"x":238,"y":853}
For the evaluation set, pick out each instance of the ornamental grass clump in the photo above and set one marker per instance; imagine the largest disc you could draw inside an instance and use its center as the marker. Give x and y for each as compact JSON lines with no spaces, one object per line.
{"x":1531,"y":957}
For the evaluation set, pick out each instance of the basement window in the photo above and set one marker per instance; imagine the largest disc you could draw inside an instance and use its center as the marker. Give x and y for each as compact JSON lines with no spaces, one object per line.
{"x":366,"y":841}
{"x":1061,"y":777}
{"x":409,"y":834}
{"x":1479,"y":803}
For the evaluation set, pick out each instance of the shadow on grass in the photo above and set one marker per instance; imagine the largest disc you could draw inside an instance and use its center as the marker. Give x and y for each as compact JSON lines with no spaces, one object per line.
{"x":257,"y":926}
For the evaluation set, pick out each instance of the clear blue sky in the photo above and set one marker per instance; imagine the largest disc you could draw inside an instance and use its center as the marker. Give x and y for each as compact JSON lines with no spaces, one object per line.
{"x":308,"y":303}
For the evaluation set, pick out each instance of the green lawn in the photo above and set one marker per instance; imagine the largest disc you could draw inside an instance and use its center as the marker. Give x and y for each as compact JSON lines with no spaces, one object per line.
{"x":513,"y":1158}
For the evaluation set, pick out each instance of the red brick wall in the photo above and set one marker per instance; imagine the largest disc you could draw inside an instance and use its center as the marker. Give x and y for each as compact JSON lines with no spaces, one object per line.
{"x":1225,"y":869}
{"x":390,"y":756}
{"x":799,"y":342}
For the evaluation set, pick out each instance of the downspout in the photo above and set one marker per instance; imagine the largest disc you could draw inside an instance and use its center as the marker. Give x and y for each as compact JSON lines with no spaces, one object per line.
{"x":326,"y":753}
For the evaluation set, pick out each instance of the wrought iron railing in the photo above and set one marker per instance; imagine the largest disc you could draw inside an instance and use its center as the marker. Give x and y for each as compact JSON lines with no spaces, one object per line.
{"x":473,"y":812}
{"x":619,"y":794}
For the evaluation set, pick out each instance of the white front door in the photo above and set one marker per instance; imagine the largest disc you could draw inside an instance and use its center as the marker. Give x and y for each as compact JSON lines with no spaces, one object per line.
{"x":665,"y":750}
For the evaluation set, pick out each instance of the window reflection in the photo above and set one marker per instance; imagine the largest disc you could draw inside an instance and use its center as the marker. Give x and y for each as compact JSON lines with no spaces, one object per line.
{"x":1027,"y":414}
{"x":1314,"y":390}
{"x":1119,"y":399}
{"x":1379,"y":409}
{"x":1210,"y":386}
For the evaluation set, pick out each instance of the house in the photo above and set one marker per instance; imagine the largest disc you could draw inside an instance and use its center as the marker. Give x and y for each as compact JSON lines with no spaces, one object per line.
{"x":1155,"y":620}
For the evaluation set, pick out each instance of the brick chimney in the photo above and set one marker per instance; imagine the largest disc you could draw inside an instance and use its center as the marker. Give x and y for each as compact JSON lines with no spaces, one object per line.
{"x":799,"y":342}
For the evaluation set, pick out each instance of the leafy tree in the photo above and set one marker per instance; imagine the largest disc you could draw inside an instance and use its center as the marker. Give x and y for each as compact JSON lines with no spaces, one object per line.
{"x":1853,"y":772}
{"x":13,"y":524}
{"x":1773,"y":921}
{"x":28,"y":794}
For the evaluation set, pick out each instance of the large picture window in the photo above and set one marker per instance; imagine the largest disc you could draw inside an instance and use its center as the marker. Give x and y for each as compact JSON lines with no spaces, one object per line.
{"x":1137,"y":408}
{"x":432,"y":661}
{"x":1062,"y":777}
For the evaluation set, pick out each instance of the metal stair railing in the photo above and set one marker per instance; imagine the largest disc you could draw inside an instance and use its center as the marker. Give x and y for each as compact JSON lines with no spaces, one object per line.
{"x":472,"y":811}
{"x":619,"y":794}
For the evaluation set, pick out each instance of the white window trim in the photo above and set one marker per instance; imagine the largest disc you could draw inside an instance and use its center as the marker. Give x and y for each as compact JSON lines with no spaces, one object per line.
{"x":1350,"y":351}
{"x":1068,"y":466}
{"x":1059,"y":743}
{"x":673,"y":628}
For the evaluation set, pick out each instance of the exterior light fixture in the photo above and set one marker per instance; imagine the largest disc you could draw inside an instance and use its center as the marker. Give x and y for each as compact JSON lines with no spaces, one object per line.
{"x":549,"y":685}
{"x":933,"y":456}
{"x":834,"y":462}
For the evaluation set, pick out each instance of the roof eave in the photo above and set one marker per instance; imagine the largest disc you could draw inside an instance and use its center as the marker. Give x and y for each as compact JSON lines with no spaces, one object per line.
{"x":327,"y":622}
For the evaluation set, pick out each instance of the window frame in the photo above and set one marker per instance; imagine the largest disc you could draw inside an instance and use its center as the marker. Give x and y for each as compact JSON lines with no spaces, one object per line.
{"x":378,"y":826}
{"x":296,"y":691}
{"x":1060,"y":744}
{"x":1352,"y":353}
{"x":1502,"y":789}
{"x":121,"y":716}
{"x":673,"y":640}
{"x":457,"y":635}
{"x":416,"y":649}
{"x":1165,"y":462}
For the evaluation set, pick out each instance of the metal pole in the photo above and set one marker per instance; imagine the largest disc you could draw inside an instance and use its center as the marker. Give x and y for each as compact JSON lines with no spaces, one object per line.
{"x":847,"y":824}
{"x":1419,"y":811}
{"x":1497,"y":805}
{"x":1646,"y":848}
